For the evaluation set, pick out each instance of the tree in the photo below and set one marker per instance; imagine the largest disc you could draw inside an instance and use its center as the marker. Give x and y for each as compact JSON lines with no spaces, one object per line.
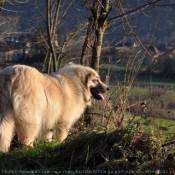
{"x":1,"y":5}
{"x":52,"y":22}
{"x":98,"y":23}
{"x":100,"y":20}
{"x":56,"y":50}
{"x":9,"y":24}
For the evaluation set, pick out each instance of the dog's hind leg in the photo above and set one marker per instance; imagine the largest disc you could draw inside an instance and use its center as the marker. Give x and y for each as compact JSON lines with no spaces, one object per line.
{"x":27,"y":129}
{"x":27,"y":133}
{"x":7,"y":124}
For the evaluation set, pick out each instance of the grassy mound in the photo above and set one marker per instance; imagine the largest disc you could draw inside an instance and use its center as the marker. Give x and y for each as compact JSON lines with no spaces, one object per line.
{"x":128,"y":150}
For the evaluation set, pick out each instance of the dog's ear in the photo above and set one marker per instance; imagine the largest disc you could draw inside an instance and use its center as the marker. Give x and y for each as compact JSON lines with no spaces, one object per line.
{"x":87,"y":78}
{"x":83,"y":75}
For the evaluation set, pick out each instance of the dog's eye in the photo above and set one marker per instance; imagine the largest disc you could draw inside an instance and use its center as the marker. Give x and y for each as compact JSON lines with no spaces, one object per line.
{"x":95,"y":80}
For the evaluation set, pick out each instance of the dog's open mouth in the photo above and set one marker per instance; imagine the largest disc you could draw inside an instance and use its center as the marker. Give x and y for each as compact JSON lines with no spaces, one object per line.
{"x":96,"y":94}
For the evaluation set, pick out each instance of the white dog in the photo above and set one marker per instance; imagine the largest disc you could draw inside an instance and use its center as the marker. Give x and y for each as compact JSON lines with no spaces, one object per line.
{"x":35,"y":105}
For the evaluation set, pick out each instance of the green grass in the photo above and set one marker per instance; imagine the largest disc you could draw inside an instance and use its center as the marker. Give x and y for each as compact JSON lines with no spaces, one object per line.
{"x":116,"y":91}
{"x":161,"y":128}
{"x":143,"y":78}
{"x":21,"y":158}
{"x":112,"y":66}
{"x":154,"y":80}
{"x":139,"y":92}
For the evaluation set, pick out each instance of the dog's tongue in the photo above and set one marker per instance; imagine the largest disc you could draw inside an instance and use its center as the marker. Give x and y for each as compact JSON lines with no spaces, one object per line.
{"x":102,"y":98}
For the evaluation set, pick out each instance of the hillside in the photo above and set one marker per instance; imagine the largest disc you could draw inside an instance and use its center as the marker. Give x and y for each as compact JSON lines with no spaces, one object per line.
{"x":162,"y":15}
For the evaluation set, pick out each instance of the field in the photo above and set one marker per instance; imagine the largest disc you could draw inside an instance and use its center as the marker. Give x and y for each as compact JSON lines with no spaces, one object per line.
{"x":161,"y":128}
{"x":117,"y":73}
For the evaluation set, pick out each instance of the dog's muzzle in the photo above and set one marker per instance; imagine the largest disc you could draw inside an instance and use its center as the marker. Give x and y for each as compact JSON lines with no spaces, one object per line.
{"x":97,"y":94}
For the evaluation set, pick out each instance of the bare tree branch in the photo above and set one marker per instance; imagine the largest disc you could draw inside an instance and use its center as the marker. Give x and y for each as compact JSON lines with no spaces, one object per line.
{"x":140,"y":8}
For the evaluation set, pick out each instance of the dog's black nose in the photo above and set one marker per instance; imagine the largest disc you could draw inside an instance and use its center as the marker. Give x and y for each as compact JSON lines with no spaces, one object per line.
{"x":107,"y":88}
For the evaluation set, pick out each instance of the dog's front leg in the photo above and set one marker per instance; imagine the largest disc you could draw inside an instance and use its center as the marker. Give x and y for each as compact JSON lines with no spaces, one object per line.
{"x":61,"y":131}
{"x":49,"y":135}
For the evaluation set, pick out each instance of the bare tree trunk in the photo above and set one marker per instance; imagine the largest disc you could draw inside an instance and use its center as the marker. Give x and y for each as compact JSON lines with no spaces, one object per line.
{"x":96,"y":50}
{"x":85,"y":45}
{"x":1,"y":4}
{"x":52,"y":21}
{"x":100,"y":25}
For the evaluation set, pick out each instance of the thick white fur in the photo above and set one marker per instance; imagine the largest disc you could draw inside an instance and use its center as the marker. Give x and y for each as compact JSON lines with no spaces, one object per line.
{"x":32,"y":103}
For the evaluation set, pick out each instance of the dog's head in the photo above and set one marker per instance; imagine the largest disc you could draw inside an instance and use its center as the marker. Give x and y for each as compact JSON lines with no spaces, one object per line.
{"x":92,"y":82}
{"x":96,"y":86}
{"x":86,"y":79}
